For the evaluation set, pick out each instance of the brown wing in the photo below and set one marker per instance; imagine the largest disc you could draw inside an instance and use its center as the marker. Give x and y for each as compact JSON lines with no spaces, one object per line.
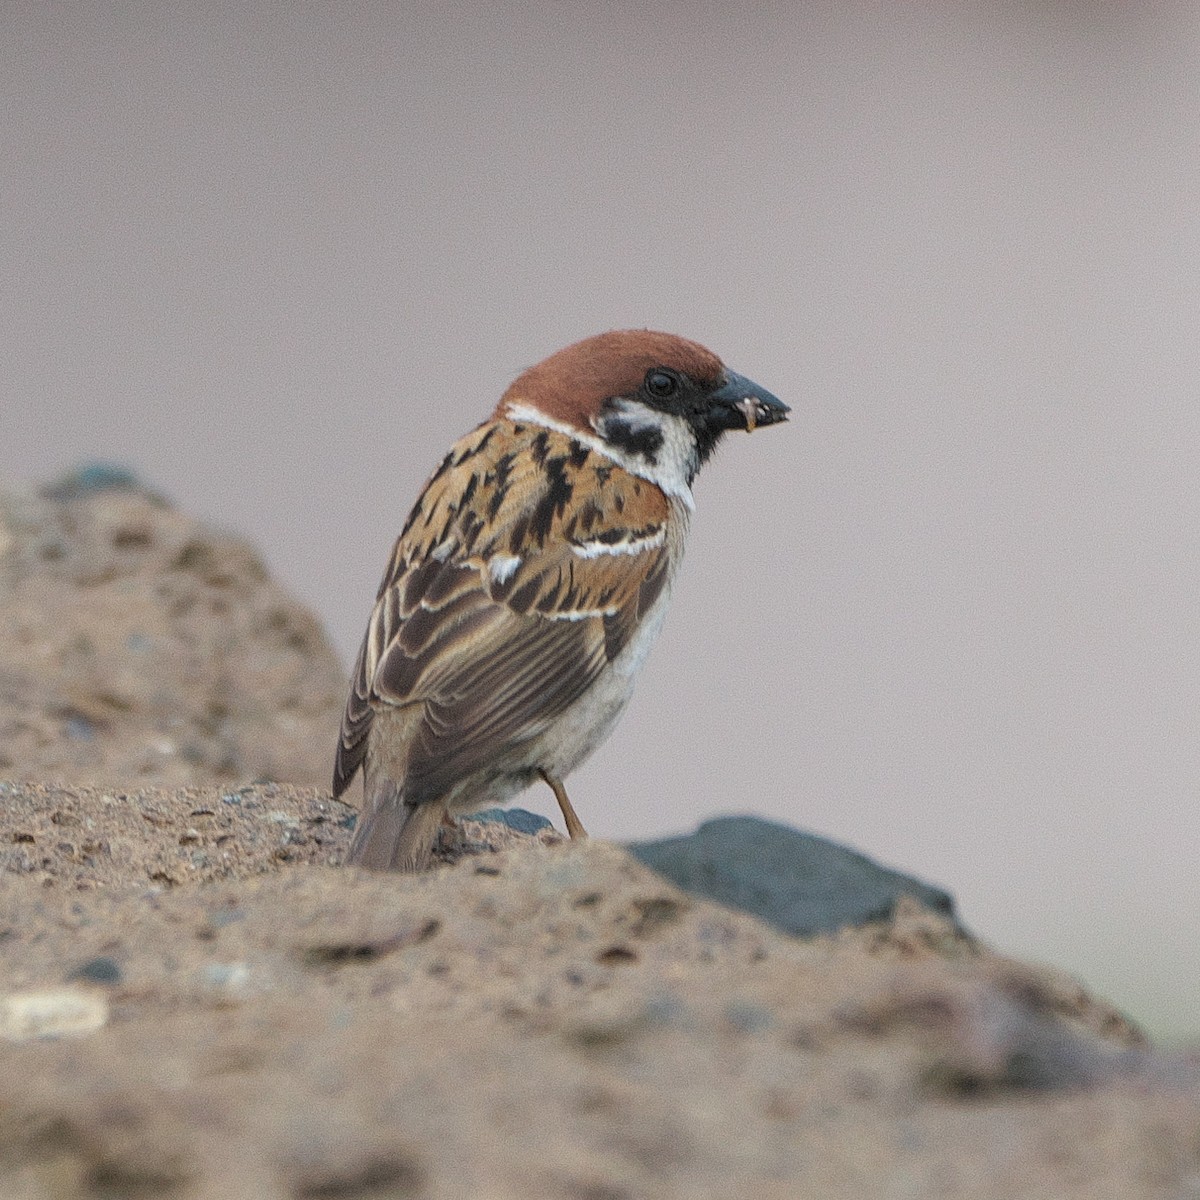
{"x":523,"y":570}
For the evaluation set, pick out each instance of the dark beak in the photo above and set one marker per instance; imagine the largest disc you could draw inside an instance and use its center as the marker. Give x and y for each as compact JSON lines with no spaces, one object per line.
{"x":739,"y":403}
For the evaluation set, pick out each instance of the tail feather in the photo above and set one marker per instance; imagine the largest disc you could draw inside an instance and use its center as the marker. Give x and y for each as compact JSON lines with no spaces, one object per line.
{"x":392,"y":835}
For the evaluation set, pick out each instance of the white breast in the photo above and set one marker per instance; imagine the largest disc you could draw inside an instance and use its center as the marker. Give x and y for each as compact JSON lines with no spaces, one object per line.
{"x":589,"y":721}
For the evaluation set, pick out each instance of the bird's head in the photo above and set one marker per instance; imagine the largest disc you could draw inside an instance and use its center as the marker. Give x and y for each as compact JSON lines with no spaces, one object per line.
{"x":656,"y":403}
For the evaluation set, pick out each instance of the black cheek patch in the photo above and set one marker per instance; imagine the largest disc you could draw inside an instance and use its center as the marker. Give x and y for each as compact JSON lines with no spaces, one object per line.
{"x":645,"y":440}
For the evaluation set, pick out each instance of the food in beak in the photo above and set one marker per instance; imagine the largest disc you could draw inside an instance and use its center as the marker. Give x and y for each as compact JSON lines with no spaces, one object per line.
{"x":750,"y":409}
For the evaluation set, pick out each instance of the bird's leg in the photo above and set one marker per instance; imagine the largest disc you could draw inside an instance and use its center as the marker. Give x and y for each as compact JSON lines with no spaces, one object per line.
{"x":574,"y":824}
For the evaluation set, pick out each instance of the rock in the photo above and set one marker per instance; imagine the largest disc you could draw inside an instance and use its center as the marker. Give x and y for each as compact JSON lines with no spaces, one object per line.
{"x":531,"y":1018}
{"x":53,"y":1013}
{"x":138,"y":645}
{"x":89,"y":838}
{"x":101,"y":969}
{"x":795,"y":881}
{"x":565,"y":1023}
{"x":95,"y":477}
{"x":520,"y":819}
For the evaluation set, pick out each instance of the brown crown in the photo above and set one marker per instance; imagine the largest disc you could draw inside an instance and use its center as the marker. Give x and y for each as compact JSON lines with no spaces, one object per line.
{"x":571,"y":385}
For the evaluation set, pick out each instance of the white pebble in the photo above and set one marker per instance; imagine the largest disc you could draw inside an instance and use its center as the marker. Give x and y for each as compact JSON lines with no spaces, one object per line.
{"x":62,"y":1012}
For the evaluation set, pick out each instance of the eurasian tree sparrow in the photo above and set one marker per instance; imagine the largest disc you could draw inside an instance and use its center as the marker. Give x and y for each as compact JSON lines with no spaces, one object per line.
{"x":528,"y":584}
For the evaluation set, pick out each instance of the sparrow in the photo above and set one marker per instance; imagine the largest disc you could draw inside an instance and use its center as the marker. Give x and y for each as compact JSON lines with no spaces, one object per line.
{"x":528,"y":584}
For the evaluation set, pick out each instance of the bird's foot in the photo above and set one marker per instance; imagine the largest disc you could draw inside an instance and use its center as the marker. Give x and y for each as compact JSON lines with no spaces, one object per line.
{"x":574,"y":825}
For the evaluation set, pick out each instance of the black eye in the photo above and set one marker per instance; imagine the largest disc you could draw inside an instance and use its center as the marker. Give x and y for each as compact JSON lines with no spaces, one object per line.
{"x":661,"y":383}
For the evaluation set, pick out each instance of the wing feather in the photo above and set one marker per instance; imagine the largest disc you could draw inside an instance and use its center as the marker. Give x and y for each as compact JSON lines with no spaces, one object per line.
{"x":524,"y":568}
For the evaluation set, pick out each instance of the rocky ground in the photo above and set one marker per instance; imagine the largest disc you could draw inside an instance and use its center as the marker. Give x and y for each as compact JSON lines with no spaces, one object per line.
{"x":138,"y":645}
{"x":196,"y":1000}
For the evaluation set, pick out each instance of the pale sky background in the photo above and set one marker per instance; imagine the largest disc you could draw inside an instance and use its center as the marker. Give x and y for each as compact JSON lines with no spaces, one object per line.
{"x":277,"y":256}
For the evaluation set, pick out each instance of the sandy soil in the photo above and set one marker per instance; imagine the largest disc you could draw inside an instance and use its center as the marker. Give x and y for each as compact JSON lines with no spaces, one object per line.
{"x":139,"y":645}
{"x":197,"y":1004}
{"x":196,"y":999}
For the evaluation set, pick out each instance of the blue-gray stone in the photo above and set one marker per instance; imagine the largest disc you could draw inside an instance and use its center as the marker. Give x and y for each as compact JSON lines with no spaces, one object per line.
{"x":93,"y":477}
{"x":98,"y":970}
{"x":798,"y":882}
{"x":520,"y":819}
{"x":80,"y":728}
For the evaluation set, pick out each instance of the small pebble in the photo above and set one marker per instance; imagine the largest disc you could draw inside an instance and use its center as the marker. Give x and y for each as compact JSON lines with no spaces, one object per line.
{"x":103,"y":969}
{"x":80,"y":729}
{"x":747,"y":1017}
{"x":230,"y":976}
{"x":520,"y":819}
{"x":60,"y":1012}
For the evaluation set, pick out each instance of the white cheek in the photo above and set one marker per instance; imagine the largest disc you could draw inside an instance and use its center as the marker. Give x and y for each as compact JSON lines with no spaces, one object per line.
{"x":679,"y":458}
{"x":676,"y":460}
